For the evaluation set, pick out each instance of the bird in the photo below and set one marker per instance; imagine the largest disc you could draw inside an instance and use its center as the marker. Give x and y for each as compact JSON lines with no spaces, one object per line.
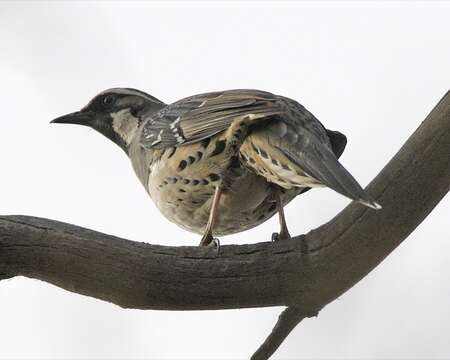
{"x":222,"y":162}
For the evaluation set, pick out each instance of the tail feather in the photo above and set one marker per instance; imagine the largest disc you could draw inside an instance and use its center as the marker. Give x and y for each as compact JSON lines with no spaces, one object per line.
{"x":319,"y":162}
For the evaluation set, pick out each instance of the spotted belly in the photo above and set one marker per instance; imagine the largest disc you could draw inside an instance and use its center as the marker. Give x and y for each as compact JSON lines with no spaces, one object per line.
{"x":187,"y":202}
{"x":182,"y":182}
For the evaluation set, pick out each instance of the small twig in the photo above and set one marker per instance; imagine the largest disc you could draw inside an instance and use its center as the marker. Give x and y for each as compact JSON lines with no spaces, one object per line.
{"x":287,"y":321}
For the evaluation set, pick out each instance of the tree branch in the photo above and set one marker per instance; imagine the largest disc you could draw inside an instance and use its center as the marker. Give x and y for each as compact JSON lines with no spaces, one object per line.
{"x":287,"y":321}
{"x":306,"y":272}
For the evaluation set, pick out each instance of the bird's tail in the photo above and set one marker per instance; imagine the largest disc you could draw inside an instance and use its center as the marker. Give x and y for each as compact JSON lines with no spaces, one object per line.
{"x":319,"y":162}
{"x":295,"y":156}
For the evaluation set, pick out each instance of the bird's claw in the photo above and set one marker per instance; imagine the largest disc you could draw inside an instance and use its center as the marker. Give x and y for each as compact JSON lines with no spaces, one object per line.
{"x":280,"y":236}
{"x":214,"y":244}
{"x":209,"y":242}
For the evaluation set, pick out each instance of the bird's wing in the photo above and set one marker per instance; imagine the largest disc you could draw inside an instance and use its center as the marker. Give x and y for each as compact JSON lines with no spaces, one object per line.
{"x":201,"y":116}
{"x":304,"y":141}
{"x":320,"y":162}
{"x":338,"y":143}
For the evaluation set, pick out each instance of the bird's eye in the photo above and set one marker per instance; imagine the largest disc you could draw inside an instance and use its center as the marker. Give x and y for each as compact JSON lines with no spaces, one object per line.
{"x":108,"y":100}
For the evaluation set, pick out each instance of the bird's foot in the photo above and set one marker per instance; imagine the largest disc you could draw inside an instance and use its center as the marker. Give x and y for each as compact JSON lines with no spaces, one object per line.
{"x":209,"y":241}
{"x":215,"y":243}
{"x":281,"y":236}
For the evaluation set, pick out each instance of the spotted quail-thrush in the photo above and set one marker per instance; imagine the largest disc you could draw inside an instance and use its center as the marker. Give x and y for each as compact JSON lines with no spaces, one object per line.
{"x":222,"y":162}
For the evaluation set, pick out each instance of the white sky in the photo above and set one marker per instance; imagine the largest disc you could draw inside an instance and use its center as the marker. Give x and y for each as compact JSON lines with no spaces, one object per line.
{"x":372,"y":70}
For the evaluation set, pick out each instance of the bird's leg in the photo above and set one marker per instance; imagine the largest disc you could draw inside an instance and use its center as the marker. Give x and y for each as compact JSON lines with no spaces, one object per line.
{"x":284,"y":233}
{"x":207,"y":236}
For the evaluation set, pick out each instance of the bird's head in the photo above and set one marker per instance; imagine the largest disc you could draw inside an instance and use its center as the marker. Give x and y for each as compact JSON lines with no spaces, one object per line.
{"x":116,"y":113}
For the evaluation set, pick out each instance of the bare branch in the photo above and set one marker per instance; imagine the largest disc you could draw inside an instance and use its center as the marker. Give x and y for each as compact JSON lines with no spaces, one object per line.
{"x":307,"y":272}
{"x":287,"y":321}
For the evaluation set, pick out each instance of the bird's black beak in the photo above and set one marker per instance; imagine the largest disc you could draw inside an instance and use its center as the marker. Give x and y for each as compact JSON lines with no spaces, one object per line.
{"x":79,"y":117}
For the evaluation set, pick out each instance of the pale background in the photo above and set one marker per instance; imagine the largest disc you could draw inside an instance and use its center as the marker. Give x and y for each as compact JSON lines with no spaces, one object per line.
{"x":372,"y":70}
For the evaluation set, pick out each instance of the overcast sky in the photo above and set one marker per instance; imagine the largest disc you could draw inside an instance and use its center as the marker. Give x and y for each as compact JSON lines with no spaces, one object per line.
{"x":372,"y":70}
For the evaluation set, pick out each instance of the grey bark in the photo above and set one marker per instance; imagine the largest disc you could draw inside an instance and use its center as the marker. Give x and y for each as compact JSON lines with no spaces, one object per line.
{"x":304,"y":273}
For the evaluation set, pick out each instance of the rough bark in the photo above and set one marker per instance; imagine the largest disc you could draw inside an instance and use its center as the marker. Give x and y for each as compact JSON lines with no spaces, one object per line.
{"x":304,"y":273}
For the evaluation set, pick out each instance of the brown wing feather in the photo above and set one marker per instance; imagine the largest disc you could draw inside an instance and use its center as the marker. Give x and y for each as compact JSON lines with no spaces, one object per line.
{"x":197,"y":117}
